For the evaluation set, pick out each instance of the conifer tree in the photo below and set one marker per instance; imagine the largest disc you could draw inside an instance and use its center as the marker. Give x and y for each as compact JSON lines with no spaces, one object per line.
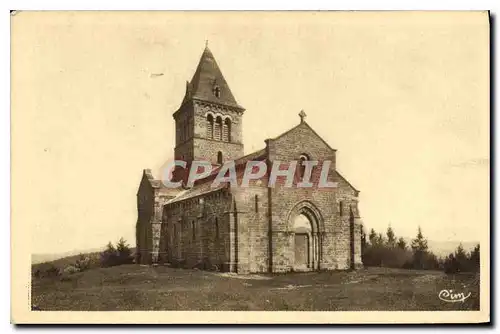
{"x":391,"y":238}
{"x":401,"y":243}
{"x":372,"y":237}
{"x":419,"y":247}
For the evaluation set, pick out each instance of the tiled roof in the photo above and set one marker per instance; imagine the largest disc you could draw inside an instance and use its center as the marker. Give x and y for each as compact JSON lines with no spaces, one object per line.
{"x":204,"y":186}
{"x":257,"y":155}
{"x":197,"y":190}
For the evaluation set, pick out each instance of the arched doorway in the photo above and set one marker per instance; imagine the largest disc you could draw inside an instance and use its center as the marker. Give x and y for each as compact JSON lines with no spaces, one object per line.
{"x":302,"y":240}
{"x":307,"y":228}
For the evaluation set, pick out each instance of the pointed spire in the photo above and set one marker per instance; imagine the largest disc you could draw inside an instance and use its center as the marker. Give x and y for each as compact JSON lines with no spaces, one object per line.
{"x":209,"y":84}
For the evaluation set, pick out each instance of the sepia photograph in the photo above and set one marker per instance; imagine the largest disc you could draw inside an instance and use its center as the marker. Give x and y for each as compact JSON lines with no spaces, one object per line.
{"x":322,"y":167}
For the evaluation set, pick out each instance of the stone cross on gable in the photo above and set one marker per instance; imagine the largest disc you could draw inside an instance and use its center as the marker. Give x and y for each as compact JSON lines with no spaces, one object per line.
{"x":302,"y":116}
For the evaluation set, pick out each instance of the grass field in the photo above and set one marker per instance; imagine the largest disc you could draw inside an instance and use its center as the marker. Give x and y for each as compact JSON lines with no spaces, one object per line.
{"x":133,"y":287}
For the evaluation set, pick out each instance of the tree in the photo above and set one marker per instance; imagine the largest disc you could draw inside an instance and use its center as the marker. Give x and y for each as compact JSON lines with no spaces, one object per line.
{"x":419,"y":243}
{"x":372,"y":237}
{"x":364,"y":243}
{"x":109,"y":257}
{"x":474,"y":259}
{"x":450,"y":264}
{"x":461,"y":258}
{"x":419,"y":247}
{"x":110,"y":247}
{"x":124,"y":252}
{"x":431,"y":261}
{"x":401,"y":243}
{"x":380,"y":239}
{"x":460,"y":261}
{"x":391,"y":238}
{"x":116,"y":256}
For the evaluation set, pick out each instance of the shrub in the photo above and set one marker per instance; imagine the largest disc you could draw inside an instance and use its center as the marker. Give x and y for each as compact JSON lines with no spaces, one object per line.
{"x":383,"y":256}
{"x":83,"y":263}
{"x":124,"y":252}
{"x":71,"y":270}
{"x":37,"y":273}
{"x":460,"y":261}
{"x":112,"y":256}
{"x":52,"y":271}
{"x":109,"y":257}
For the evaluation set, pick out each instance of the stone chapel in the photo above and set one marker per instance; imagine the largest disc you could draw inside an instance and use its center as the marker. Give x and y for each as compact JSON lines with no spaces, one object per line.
{"x":256,"y":229}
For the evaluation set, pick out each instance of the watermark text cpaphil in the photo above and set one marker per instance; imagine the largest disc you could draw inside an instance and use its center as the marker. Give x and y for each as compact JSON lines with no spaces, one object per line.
{"x":253,"y":170}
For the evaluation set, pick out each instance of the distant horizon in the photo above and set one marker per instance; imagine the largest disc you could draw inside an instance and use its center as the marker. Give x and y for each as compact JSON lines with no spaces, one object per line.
{"x":468,"y":245}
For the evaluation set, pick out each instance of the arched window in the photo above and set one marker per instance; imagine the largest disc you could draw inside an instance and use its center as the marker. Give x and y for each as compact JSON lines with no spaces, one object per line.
{"x":302,"y":167}
{"x":210,"y":127}
{"x":218,"y":128}
{"x":226,"y":130}
{"x":219,"y":158}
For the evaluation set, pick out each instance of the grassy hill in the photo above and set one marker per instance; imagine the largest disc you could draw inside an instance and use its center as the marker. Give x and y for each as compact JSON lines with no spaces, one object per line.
{"x":134,"y":287}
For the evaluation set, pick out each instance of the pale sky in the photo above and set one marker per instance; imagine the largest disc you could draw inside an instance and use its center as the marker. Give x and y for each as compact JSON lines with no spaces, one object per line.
{"x":403,"y":97}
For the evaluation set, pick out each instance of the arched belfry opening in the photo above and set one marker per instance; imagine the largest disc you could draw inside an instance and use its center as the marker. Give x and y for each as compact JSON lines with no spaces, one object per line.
{"x":306,"y":227}
{"x":226,"y":130}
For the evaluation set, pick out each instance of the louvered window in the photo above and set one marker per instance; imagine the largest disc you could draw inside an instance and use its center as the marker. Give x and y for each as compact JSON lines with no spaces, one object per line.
{"x":210,"y":127}
{"x":218,"y":128}
{"x":226,"y":130}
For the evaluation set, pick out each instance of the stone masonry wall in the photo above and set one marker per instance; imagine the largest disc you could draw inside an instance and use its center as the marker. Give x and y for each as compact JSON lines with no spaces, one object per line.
{"x":252,"y":227}
{"x":197,"y":229}
{"x":201,"y":110}
{"x":145,"y":208}
{"x":207,"y":149}
{"x":347,"y":204}
{"x":335,"y":246}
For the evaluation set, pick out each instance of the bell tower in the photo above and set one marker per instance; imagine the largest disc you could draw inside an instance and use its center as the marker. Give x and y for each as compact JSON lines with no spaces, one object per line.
{"x":208,"y":124}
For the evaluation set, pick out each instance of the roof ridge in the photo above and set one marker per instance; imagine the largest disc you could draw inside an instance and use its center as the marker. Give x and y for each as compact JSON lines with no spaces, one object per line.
{"x":305,"y":124}
{"x":343,"y":178}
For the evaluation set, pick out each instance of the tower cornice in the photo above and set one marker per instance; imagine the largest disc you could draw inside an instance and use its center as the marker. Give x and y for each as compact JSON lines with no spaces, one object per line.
{"x":221,"y":107}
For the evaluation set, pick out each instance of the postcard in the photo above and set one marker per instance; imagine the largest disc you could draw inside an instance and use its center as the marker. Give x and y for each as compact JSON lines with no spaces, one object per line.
{"x":250,"y":167}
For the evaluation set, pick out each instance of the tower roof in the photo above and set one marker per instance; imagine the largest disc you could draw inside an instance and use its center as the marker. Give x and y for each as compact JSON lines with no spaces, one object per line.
{"x":208,"y":83}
